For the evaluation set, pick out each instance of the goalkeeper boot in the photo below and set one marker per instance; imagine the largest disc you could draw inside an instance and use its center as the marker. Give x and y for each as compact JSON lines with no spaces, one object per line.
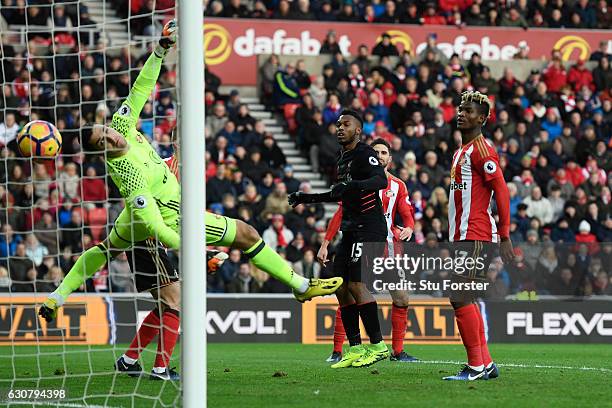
{"x":403,"y":357}
{"x":375,"y":353}
{"x":133,"y":370}
{"x":468,"y":374}
{"x":335,"y":357}
{"x":169,"y":374}
{"x":492,"y":371}
{"x":214,"y":260}
{"x":354,"y":354}
{"x":318,"y":287}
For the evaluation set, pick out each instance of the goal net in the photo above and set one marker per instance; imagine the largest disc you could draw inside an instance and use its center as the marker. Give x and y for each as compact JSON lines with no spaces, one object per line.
{"x":72,"y":63}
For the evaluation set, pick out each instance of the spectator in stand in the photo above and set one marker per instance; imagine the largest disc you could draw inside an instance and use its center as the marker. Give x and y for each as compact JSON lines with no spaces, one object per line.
{"x":216,"y":121}
{"x":35,"y":251}
{"x":93,"y":188}
{"x":330,"y":44}
{"x":390,"y":14}
{"x":286,"y":89}
{"x":289,"y":180}
{"x":430,"y":16}
{"x":244,"y":282}
{"x":235,"y":10}
{"x":276,"y":202}
{"x":271,"y":154}
{"x":385,"y":48}
{"x":277,"y":235}
{"x":580,"y":76}
{"x":8,"y":129}
{"x":219,"y":186}
{"x":513,"y":18}
{"x":475,"y":17}
{"x":332,"y":109}
{"x":602,"y":75}
{"x":554,"y":76}
{"x":539,"y":206}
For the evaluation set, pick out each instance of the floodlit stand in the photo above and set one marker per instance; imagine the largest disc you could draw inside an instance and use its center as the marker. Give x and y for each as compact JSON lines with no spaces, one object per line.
{"x":193,"y":257}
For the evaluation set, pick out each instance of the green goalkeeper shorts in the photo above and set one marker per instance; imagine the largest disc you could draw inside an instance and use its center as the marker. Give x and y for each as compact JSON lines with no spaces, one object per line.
{"x":220,"y":230}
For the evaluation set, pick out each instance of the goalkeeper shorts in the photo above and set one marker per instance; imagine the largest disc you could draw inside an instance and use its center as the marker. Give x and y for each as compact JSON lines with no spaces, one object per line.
{"x":151,"y":265}
{"x":220,"y":230}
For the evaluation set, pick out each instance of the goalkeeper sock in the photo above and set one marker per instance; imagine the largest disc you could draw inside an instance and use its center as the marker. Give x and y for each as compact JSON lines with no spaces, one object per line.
{"x":263,"y":257}
{"x":147,"y":331}
{"x":398,"y":327}
{"x":369,"y":317}
{"x":87,"y":264}
{"x":350,"y":319}
{"x":469,"y":328}
{"x":167,"y":338}
{"x":484,"y":348}
{"x":339,"y":333}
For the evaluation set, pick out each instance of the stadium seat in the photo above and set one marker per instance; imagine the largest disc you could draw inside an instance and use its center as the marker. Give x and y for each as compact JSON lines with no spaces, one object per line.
{"x":97,"y":223}
{"x":289,"y":114}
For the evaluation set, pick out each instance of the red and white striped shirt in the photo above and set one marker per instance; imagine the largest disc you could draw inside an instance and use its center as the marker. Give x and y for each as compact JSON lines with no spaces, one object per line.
{"x":394,"y":198}
{"x":172,"y":164}
{"x":475,"y":174}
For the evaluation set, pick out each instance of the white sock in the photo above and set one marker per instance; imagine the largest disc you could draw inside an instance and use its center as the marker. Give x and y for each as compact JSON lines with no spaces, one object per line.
{"x":477,"y":368}
{"x":304,"y":287}
{"x":159,"y":370}
{"x":128,"y":360}
{"x":489,"y":365}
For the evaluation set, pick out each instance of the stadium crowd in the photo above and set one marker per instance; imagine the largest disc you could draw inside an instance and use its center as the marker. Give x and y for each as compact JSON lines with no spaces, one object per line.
{"x":552,"y":132}
{"x":50,"y":213}
{"x":521,"y":13}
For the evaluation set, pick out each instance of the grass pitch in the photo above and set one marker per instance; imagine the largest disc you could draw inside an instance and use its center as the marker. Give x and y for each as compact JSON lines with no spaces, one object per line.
{"x":295,"y":375}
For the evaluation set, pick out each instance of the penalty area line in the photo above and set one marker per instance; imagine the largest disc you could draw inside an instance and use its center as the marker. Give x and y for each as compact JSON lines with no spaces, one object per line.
{"x":532,"y":366}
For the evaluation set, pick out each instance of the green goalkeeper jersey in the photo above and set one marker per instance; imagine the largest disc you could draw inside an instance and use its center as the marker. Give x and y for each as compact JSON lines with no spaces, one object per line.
{"x":151,"y":191}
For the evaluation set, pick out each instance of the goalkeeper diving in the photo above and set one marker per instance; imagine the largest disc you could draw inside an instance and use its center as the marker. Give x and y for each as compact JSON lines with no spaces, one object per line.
{"x":152,"y":214}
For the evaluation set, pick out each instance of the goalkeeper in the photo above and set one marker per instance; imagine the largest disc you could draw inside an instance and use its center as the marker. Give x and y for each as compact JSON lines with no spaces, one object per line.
{"x":151,"y":215}
{"x":152,"y":196}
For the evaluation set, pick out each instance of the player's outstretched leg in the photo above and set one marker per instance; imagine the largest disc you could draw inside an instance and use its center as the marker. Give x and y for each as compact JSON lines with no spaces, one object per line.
{"x":339,"y":336}
{"x":265,"y":258}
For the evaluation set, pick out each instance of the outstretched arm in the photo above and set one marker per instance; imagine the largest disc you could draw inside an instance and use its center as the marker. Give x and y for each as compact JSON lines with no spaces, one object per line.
{"x":147,"y":78}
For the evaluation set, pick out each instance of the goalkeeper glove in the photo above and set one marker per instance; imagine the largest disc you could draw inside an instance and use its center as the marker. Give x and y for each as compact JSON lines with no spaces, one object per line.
{"x":49,"y":309}
{"x":214,"y":260}
{"x":168,"y":38}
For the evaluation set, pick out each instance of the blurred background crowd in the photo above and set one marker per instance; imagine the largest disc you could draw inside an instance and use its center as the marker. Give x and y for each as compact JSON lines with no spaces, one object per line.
{"x":520,"y":13}
{"x":552,"y":132}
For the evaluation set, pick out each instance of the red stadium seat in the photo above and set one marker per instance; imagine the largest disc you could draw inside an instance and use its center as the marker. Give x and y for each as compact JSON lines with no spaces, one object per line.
{"x":97,"y":223}
{"x":289,"y":113}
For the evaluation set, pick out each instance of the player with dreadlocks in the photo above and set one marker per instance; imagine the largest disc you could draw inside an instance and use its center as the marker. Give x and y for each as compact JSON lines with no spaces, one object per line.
{"x":476,"y":176}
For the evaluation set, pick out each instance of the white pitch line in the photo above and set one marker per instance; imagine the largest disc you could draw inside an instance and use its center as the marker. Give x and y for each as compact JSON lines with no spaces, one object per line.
{"x":512,"y":365}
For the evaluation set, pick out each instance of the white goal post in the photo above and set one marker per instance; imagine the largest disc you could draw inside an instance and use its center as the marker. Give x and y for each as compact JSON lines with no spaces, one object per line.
{"x":193,"y":258}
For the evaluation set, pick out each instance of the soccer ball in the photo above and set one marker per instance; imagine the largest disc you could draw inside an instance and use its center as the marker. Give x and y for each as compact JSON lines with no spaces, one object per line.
{"x":39,"y":138}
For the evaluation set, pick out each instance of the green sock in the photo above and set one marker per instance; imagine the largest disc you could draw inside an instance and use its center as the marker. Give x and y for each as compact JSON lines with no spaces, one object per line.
{"x":87,"y":264}
{"x":269,"y":261}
